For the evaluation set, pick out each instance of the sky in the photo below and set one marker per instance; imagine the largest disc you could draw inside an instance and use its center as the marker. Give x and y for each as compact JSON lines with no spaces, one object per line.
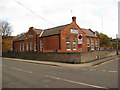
{"x":98,"y":15}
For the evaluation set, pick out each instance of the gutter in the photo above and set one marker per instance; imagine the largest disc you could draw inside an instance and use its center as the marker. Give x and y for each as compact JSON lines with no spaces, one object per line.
{"x":92,"y":36}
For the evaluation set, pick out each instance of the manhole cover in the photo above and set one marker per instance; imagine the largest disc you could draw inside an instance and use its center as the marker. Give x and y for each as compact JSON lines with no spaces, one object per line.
{"x":46,"y":80}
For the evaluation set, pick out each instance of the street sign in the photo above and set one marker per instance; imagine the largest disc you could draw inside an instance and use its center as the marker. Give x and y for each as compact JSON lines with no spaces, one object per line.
{"x":74,"y":31}
{"x":80,"y":39}
{"x":79,"y":45}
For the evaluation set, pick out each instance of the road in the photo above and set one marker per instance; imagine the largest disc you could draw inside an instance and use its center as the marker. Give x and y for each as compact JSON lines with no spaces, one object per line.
{"x":30,"y":75}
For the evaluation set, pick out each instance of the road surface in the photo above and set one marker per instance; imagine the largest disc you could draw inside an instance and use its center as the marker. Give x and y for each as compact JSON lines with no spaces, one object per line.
{"x":30,"y":75}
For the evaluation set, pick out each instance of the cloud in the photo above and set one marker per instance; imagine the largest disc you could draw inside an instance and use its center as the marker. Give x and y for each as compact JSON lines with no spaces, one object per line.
{"x":88,"y":13}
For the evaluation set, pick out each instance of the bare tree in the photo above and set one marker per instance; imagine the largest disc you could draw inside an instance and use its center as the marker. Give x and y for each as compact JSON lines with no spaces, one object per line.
{"x":5,"y":29}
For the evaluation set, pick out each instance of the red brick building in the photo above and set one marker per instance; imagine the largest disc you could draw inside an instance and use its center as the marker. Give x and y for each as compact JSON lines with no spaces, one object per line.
{"x":64,"y":38}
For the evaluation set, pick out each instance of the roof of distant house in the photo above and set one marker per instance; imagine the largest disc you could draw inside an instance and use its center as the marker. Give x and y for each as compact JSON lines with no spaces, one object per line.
{"x":20,"y":38}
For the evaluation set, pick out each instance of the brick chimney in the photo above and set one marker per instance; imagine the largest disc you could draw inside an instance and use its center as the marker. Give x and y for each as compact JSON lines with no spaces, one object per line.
{"x":74,"y":19}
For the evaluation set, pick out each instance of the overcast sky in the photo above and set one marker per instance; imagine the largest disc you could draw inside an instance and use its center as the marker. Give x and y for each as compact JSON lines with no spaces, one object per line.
{"x":98,"y":15}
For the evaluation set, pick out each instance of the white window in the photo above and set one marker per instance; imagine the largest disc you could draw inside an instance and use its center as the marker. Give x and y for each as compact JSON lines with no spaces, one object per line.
{"x":20,"y":46}
{"x":96,"y":44}
{"x":30,"y":46}
{"x":74,"y":43}
{"x":88,"y":42}
{"x":41,"y":45}
{"x":68,"y":43}
{"x":27,"y":46}
{"x":30,"y":35}
{"x":92,"y":44}
{"x":35,"y":46}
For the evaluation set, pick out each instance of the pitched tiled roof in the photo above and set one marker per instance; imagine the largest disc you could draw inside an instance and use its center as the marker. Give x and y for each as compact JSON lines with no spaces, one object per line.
{"x":20,"y":38}
{"x":38,"y":31}
{"x":53,"y":31}
{"x":56,"y":30}
{"x":89,"y":32}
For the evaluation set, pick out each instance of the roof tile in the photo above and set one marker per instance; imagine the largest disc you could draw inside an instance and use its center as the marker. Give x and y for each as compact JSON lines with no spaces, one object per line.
{"x":55,"y":30}
{"x":89,"y":32}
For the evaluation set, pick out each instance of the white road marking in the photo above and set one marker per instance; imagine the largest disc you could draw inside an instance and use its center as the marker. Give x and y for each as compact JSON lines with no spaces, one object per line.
{"x":113,"y":71}
{"x":101,"y":70}
{"x":92,"y":69}
{"x":105,"y":62}
{"x":19,"y":69}
{"x":104,"y":70}
{"x":95,"y":86}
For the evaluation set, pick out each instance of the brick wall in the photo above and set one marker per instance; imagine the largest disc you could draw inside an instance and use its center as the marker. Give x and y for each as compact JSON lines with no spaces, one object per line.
{"x":63,"y":57}
{"x":96,"y":55}
{"x":67,"y":33}
{"x":51,"y":43}
{"x":16,"y":46}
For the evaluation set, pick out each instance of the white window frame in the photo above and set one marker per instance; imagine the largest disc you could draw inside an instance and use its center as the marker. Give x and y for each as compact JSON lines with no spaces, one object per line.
{"x":23,"y":46}
{"x":88,"y":42}
{"x":20,"y":46}
{"x":35,"y":49}
{"x":68,"y":43}
{"x":74,"y":43}
{"x":92,"y":44}
{"x":41,"y":45}
{"x":27,"y":48}
{"x":96,"y":44}
{"x":30,"y":45}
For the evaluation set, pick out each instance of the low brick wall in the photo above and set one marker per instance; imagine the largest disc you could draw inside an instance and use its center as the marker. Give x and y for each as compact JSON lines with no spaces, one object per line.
{"x":96,"y":55}
{"x":75,"y":57}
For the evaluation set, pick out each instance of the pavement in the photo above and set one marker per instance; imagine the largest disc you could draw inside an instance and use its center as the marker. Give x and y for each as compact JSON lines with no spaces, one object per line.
{"x":66,"y":64}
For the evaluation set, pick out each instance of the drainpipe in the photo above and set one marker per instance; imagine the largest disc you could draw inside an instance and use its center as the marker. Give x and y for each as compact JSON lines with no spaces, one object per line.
{"x":36,"y":44}
{"x":41,"y":35}
{"x":117,"y":45}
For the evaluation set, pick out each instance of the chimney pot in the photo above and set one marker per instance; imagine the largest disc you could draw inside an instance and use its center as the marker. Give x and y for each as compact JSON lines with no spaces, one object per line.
{"x":31,"y":28}
{"x":74,"y":19}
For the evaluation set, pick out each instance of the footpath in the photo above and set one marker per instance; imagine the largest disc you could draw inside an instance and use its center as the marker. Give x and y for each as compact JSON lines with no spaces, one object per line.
{"x":66,"y":64}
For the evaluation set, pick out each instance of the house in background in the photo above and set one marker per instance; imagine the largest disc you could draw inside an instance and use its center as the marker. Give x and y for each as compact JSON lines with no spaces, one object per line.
{"x":64,"y":38}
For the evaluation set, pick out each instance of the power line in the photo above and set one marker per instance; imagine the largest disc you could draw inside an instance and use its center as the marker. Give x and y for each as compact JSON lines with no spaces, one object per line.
{"x":34,"y":12}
